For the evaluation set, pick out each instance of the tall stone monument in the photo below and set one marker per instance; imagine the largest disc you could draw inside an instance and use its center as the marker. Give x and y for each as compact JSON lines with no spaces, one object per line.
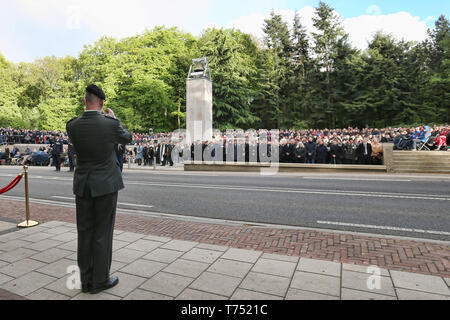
{"x":199,"y":117}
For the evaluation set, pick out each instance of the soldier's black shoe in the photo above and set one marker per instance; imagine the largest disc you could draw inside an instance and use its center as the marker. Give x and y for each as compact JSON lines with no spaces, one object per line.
{"x":112,"y":282}
{"x":85,"y":288}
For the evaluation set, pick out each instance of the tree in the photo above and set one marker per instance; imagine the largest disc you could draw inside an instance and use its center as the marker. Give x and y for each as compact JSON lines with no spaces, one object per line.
{"x":279,"y":45}
{"x":10,"y":115}
{"x":326,"y":43}
{"x":300,"y":63}
{"x":229,"y":54}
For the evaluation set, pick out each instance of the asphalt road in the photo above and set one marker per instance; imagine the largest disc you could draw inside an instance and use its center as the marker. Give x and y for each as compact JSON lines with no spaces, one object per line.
{"x":402,"y":205}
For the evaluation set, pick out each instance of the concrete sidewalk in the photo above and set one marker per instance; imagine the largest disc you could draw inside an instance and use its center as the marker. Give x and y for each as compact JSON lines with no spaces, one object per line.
{"x":34,"y":262}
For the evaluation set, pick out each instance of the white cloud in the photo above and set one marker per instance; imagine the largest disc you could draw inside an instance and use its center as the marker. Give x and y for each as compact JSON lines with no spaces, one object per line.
{"x":114,"y":17}
{"x":401,"y":25}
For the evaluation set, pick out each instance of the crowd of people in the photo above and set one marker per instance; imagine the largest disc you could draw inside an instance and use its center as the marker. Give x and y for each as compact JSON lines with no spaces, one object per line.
{"x":327,"y":146}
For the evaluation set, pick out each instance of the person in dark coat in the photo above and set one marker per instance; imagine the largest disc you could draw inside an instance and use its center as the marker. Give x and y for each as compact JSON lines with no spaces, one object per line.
{"x":336,"y":152}
{"x":364,"y":152}
{"x":310,"y":151}
{"x":57,"y":151}
{"x":120,"y":152}
{"x":71,"y":156}
{"x":321,"y":152}
{"x":300,"y":153}
{"x":288,"y":152}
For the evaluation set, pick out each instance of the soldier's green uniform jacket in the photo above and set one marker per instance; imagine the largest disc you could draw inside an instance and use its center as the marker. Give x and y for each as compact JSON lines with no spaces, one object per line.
{"x":94,"y":138}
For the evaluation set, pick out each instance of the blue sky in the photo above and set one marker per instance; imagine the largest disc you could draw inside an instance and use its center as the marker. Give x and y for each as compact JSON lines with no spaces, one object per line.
{"x":30,"y":29}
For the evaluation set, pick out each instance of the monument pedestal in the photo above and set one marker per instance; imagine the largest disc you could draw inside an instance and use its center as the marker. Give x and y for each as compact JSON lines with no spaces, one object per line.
{"x":199,"y":117}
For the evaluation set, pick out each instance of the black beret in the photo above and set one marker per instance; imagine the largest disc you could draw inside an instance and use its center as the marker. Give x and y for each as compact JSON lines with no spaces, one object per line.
{"x":96,"y":91}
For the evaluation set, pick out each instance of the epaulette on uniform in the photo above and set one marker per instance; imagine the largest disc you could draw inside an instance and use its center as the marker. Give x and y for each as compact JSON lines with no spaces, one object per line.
{"x":72,"y":120}
{"x":110,"y":117}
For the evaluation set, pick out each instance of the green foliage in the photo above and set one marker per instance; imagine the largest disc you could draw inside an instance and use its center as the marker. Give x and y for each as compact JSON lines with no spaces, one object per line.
{"x":230,"y":55}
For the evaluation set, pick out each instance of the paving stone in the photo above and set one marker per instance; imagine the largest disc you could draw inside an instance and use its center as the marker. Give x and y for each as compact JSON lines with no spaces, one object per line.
{"x":60,"y":286}
{"x":144,"y":295}
{"x":158,"y":239}
{"x":127,"y":255}
{"x":11,"y":236}
{"x":144,"y":245}
{"x":212,"y":247}
{"x":363,"y":269}
{"x":34,"y":230}
{"x":187,"y":268}
{"x":4,"y":278}
{"x":58,"y":268}
{"x":167,"y":284}
{"x":129,"y":236}
{"x":21,"y":267}
{"x":59,"y":230}
{"x":359,"y":281}
{"x":127,"y":283}
{"x":44,"y":294}
{"x":144,"y":268}
{"x":447,"y":280}
{"x":202,"y":255}
{"x":350,"y":294}
{"x":419,"y":282}
{"x":17,"y":255}
{"x":6,"y":226}
{"x":404,"y":294}
{"x":321,"y":267}
{"x":74,"y":256}
{"x":28,"y":283}
{"x":216,"y":283}
{"x":99,"y":296}
{"x":3,"y":263}
{"x":190,"y":294}
{"x":319,"y":283}
{"x":242,"y":294}
{"x":37,"y":237}
{"x":70,"y":225}
{"x":117,"y":244}
{"x":280,"y":257}
{"x":231,"y":268}
{"x":163,"y":255}
{"x":53,"y":224}
{"x":116,"y":266}
{"x":51,"y":255}
{"x":266,"y":283}
{"x":275,"y":267}
{"x":70,"y":246}
{"x":44,"y":245}
{"x":65,"y":237}
{"x":13,"y":245}
{"x":242,"y":255}
{"x":295,"y":294}
{"x":179,"y":245}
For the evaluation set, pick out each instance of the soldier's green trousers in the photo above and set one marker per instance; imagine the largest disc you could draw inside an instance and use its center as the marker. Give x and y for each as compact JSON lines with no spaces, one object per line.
{"x":95,"y":224}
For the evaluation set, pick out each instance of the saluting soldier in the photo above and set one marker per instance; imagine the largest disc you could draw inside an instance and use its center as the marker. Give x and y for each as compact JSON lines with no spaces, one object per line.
{"x":96,"y":183}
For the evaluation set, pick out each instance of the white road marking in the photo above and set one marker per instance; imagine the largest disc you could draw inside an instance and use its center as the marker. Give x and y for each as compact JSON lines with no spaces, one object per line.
{"x":304,"y":191}
{"x":367,"y":226}
{"x":120,"y":203}
{"x":355,"y":179}
{"x":286,"y":190}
